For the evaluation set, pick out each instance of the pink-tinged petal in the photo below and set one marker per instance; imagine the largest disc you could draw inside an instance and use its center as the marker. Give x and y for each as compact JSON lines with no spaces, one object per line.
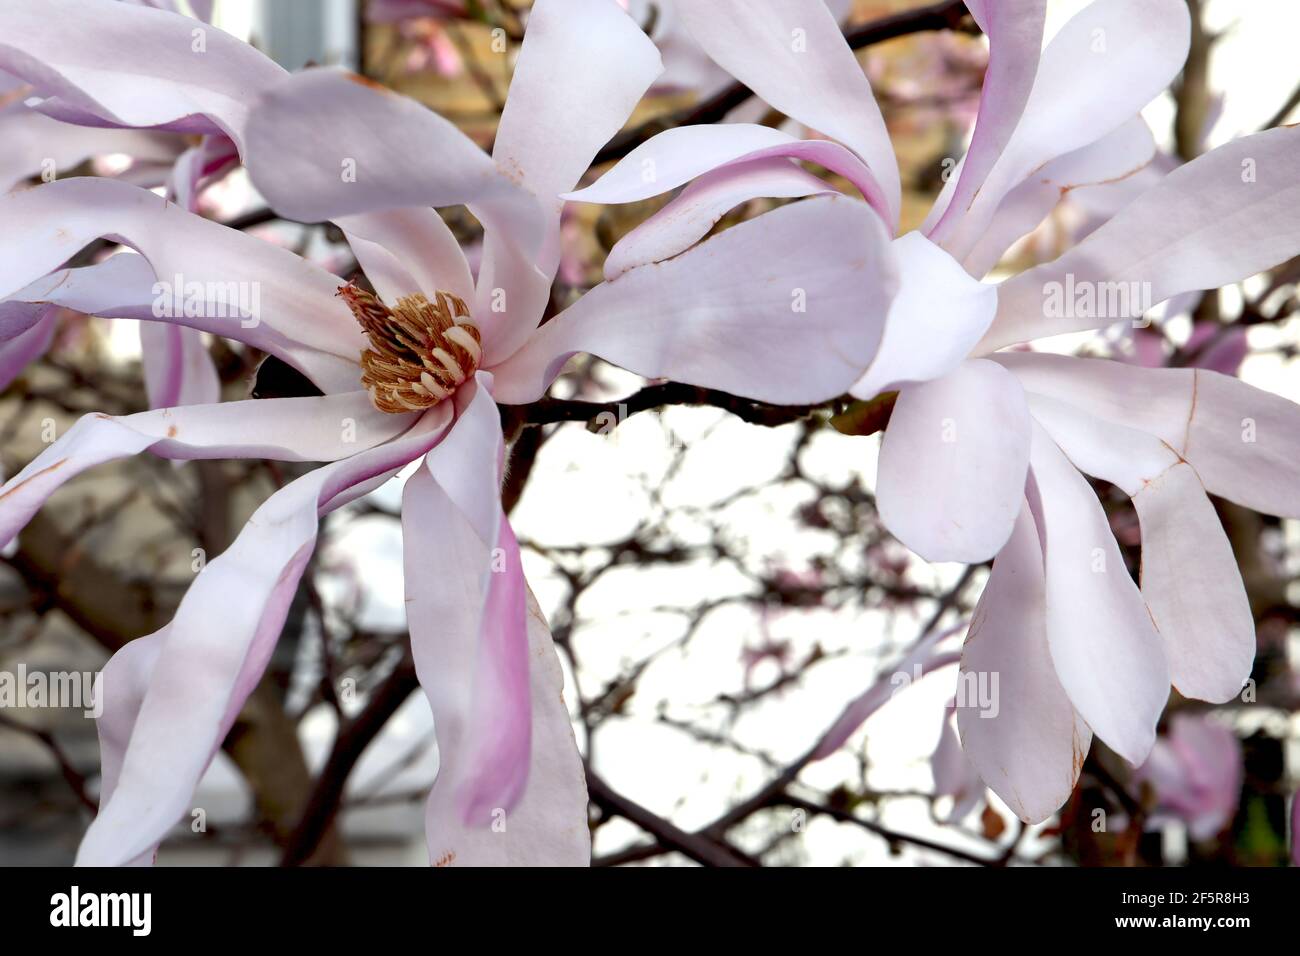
{"x":940,"y":312}
{"x":468,"y":466}
{"x":124,"y":681}
{"x":554,"y":122}
{"x":784,"y":308}
{"x":1114,"y":158}
{"x":1191,"y":584}
{"x":493,"y":772}
{"x":177,"y":367}
{"x":115,"y":64}
{"x":16,"y":317}
{"x":21,"y":350}
{"x":214,"y":651}
{"x":1241,"y":440}
{"x":1017,"y":724}
{"x":120,"y":285}
{"x":919,"y":662}
{"x":1106,"y":63}
{"x":1015,"y":32}
{"x":1196,"y":771}
{"x":1216,"y":348}
{"x":197,"y":167}
{"x":481,"y":653}
{"x":325,"y":143}
{"x":1221,"y":218}
{"x":573,"y":88}
{"x":1104,"y":646}
{"x":445,"y":581}
{"x":792,"y":54}
{"x":953,"y":463}
{"x":319,"y":428}
{"x":486,"y":767}
{"x":409,"y":250}
{"x":679,"y":155}
{"x":244,"y":288}
{"x":954,"y":776}
{"x":30,"y":141}
{"x":691,"y":215}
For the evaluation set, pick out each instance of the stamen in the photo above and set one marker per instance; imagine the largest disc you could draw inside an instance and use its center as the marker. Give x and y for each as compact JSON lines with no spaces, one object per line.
{"x":461,"y":336}
{"x":419,"y":352}
{"x":443,"y":357}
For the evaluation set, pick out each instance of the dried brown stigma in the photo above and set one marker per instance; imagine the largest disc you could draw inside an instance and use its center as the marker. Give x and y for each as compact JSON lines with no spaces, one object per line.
{"x":420,"y":351}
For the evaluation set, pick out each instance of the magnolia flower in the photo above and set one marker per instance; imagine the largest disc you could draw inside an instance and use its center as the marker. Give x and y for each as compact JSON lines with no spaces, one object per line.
{"x":52,"y":52}
{"x":409,"y":374}
{"x":986,"y":452}
{"x":1196,"y":771}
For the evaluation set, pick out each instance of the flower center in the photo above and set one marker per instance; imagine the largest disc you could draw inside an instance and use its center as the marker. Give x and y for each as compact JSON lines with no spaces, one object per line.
{"x":420,"y":351}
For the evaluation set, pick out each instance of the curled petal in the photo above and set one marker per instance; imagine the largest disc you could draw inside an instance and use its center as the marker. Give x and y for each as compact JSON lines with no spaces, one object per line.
{"x":1189,"y":579}
{"x":510,"y":786}
{"x":21,"y":350}
{"x":793,"y":55}
{"x":1015,"y":32}
{"x":30,"y":141}
{"x":212,"y":654}
{"x":177,"y":367}
{"x":121,"y":285}
{"x":86,"y":57}
{"x":1126,"y":457}
{"x":690,"y":216}
{"x":319,"y":428}
{"x":681,"y":154}
{"x":209,"y":277}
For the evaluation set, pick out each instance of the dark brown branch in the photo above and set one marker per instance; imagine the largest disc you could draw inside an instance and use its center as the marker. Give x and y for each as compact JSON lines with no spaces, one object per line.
{"x":350,"y":743}
{"x":599,"y":415}
{"x":697,"y":847}
{"x":894,"y":837}
{"x":75,"y":779}
{"x":1291,"y":103}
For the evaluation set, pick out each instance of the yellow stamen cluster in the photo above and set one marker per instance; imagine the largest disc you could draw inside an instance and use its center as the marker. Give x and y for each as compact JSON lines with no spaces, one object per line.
{"x":420,"y":351}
